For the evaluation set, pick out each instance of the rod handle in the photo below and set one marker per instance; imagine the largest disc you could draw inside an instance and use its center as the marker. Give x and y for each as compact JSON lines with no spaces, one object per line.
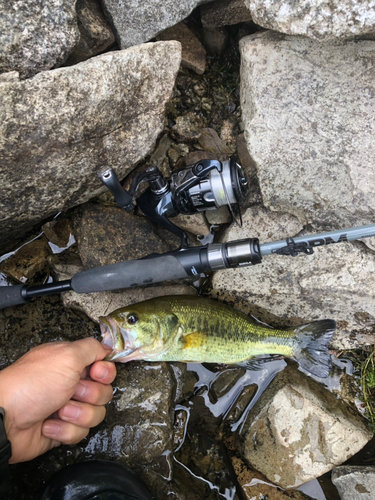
{"x":11,"y":296}
{"x":128,"y":274}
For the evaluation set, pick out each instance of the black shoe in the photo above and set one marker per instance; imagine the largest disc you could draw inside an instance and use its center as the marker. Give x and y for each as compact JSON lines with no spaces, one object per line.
{"x":96,"y":480}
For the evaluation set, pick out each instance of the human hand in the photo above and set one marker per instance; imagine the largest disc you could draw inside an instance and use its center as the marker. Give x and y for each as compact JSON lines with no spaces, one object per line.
{"x":54,"y":394}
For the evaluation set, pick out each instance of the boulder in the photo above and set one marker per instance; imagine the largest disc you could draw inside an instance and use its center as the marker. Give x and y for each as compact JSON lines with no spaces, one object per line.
{"x":135,"y":21}
{"x":254,"y":195}
{"x":107,"y":234}
{"x":224,"y":13}
{"x":59,"y":127}
{"x":36,"y":35}
{"x":335,"y":282}
{"x":309,"y":118}
{"x":298,"y":430}
{"x":193,"y":53}
{"x":95,"y":32}
{"x":318,"y":20}
{"x":354,"y":482}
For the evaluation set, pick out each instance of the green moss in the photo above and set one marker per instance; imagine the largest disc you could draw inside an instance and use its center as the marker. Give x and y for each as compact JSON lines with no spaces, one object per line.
{"x":364,"y":365}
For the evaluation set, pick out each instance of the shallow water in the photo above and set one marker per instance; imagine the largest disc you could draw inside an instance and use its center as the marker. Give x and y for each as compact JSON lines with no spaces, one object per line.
{"x":220,"y":409}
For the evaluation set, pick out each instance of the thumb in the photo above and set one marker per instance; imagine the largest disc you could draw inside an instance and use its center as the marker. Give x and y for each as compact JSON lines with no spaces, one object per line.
{"x":88,"y":351}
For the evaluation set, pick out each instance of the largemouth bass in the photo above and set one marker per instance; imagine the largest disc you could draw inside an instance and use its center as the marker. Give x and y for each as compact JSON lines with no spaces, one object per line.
{"x":191,"y":329}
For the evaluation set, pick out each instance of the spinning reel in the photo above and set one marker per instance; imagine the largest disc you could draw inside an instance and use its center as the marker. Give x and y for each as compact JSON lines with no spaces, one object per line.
{"x":206,"y":185}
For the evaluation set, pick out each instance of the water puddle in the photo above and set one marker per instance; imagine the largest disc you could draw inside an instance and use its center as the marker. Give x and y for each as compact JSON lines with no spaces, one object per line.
{"x":227,"y":407}
{"x":229,"y":493}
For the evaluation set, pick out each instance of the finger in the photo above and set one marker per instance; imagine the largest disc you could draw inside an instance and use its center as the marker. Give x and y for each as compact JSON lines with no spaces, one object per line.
{"x":88,"y":351}
{"x":82,"y":414}
{"x":85,"y":372}
{"x":94,"y":393}
{"x":63,"y":432}
{"x":103,"y":372}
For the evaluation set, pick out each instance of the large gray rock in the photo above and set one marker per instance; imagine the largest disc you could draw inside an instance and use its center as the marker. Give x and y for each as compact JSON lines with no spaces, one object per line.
{"x":320,"y":20}
{"x":36,"y":35}
{"x":298,"y":430}
{"x":336,"y":282}
{"x":137,"y":21}
{"x":59,"y":127}
{"x":354,"y":482}
{"x":309,"y":117}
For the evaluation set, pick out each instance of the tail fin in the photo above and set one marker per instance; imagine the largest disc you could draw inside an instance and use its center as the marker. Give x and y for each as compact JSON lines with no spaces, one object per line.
{"x":312,"y":346}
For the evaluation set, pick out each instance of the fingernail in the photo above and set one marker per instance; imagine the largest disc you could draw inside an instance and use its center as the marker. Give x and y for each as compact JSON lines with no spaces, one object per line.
{"x":80,"y":390}
{"x":70,"y":411}
{"x":101,"y":372}
{"x":51,"y":429}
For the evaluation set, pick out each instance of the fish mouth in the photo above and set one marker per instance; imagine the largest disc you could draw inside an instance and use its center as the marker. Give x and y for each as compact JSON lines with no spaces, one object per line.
{"x":109,"y":331}
{"x":118,"y":339}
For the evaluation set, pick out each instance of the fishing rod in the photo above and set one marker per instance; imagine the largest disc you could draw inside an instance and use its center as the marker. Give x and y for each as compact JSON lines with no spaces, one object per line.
{"x":179,"y":264}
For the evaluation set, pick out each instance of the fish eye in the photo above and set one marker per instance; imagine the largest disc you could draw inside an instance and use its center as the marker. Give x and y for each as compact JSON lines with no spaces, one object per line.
{"x":133,"y":318}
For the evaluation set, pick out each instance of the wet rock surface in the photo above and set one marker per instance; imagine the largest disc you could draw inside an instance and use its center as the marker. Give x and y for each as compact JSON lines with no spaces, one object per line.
{"x":254,"y":485}
{"x":106,"y":235}
{"x":36,"y":35}
{"x":66,"y":123}
{"x":354,"y":483}
{"x":146,"y":389}
{"x":140,"y":389}
{"x":40,"y":321}
{"x":298,"y":430}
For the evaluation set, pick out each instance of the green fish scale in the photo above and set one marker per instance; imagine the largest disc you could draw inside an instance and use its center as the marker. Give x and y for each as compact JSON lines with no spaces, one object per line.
{"x":223,"y":333}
